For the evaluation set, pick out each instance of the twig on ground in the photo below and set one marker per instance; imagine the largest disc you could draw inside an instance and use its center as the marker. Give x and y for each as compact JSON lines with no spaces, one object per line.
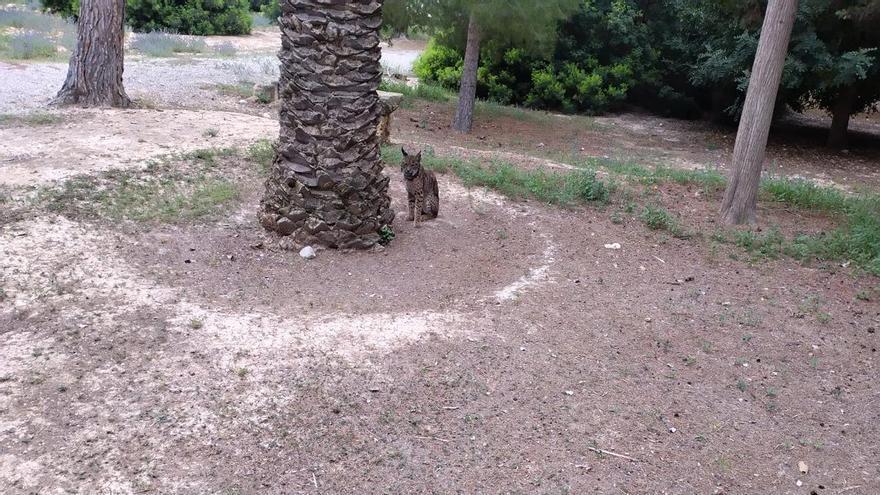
{"x":451,"y":408}
{"x":659,"y":259}
{"x":848,"y":488}
{"x":314,"y":479}
{"x":433,"y":438}
{"x":613,"y":454}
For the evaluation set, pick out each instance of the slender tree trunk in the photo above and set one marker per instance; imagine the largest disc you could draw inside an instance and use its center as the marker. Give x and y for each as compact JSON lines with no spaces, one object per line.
{"x":327,"y":185}
{"x":740,"y":198}
{"x":94,"y":76}
{"x":467,"y":96}
{"x":837,"y":137}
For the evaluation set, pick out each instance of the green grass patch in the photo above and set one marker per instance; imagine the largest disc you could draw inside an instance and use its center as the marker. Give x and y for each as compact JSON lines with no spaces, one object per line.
{"x":162,"y":193}
{"x":564,"y":189}
{"x":804,"y":194}
{"x":420,"y":91}
{"x":263,"y":154}
{"x":30,"y":119}
{"x":240,"y":90}
{"x":708,"y":179}
{"x":657,"y":218}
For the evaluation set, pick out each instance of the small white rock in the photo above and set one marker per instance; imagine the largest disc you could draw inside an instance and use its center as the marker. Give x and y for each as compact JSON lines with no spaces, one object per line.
{"x":612,"y":246}
{"x":803,"y":468}
{"x":569,"y":392}
{"x":308,"y":252}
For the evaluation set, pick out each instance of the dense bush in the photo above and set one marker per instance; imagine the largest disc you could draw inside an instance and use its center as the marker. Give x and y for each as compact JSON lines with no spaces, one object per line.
{"x":64,"y":8}
{"x":199,"y":17}
{"x":271,"y":10}
{"x":439,"y":64}
{"x":601,"y":54}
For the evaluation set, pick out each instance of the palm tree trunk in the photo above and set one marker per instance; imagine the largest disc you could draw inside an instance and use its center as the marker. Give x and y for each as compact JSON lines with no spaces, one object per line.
{"x":467,"y":96}
{"x":327,"y":184}
{"x":741,"y":196}
{"x":840,"y":113}
{"x":94,"y":75}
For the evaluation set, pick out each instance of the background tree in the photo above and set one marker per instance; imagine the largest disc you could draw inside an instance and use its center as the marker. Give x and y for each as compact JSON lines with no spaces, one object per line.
{"x":740,"y":198}
{"x":94,"y":75}
{"x":847,"y":73}
{"x":469,"y":25}
{"x":326,"y":185}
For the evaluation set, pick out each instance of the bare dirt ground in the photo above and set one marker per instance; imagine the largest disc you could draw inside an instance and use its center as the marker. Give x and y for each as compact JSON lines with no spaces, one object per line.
{"x":499,"y":349}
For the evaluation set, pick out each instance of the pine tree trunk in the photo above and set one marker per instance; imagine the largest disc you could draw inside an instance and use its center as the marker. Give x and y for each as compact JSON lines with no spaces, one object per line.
{"x":327,"y":184}
{"x":94,"y":76}
{"x":740,"y":198}
{"x":467,"y":96}
{"x":837,"y":137}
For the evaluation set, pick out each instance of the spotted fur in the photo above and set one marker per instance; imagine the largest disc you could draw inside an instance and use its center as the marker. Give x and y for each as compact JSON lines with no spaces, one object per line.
{"x":421,"y":189}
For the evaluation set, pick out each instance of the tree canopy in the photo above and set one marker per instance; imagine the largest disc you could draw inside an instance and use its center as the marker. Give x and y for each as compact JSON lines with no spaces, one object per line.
{"x":677,"y":57}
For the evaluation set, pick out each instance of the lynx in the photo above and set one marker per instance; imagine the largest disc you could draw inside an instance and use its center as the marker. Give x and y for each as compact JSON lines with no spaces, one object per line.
{"x":421,"y":188}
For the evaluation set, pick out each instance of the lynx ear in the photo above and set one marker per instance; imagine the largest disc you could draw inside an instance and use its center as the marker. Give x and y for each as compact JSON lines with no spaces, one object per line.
{"x":419,"y":156}
{"x":403,"y":151}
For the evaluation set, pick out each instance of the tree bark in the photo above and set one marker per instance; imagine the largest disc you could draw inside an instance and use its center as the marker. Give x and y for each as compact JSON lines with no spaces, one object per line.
{"x":841,"y":111}
{"x":94,"y":75}
{"x":740,"y":198}
{"x":327,"y":184}
{"x":467,"y":95}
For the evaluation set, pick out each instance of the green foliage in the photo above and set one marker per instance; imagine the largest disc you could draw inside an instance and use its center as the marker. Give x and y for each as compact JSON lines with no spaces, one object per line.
{"x":199,"y":17}
{"x":271,"y":10}
{"x":805,"y":194}
{"x":601,"y":52}
{"x":439,"y":64}
{"x":858,"y":241}
{"x":657,"y":218}
{"x":64,"y":8}
{"x":421,"y":91}
{"x":675,"y":57}
{"x":262,"y":153}
{"x":386,"y":234}
{"x":565,"y":189}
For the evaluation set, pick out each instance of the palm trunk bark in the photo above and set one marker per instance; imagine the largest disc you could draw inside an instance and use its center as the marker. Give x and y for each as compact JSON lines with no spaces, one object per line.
{"x":327,"y":184}
{"x":740,"y":198}
{"x":94,"y":75}
{"x":467,"y":96}
{"x":840,"y":114}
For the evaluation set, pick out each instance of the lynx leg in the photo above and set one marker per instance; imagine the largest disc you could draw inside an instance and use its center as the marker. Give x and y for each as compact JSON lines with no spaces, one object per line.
{"x":418,"y":209}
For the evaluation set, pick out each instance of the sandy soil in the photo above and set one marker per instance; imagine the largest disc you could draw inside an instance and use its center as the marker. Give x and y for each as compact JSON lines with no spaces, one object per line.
{"x":96,"y":140}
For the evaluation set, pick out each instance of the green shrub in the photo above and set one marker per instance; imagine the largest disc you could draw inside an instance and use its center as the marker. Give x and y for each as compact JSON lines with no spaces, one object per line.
{"x":271,"y":11}
{"x":64,"y":8}
{"x":199,"y":17}
{"x":439,"y":64}
{"x":30,"y":45}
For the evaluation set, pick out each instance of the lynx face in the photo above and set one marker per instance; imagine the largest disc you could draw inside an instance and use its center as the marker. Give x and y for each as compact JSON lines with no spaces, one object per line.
{"x":411,"y":165}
